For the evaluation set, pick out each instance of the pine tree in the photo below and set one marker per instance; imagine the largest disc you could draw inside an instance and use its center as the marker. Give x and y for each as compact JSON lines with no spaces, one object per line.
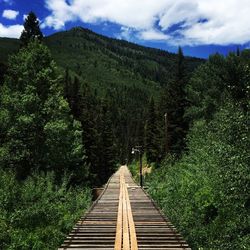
{"x":3,"y":70}
{"x":180,"y":125}
{"x":173,"y":104}
{"x":152,"y":144}
{"x":75,"y":97}
{"x":95,"y":118}
{"x":31,"y":30}
{"x":88,"y":106}
{"x":180,"y":65}
{"x":38,"y":132}
{"x":67,"y":84}
{"x":106,"y":148}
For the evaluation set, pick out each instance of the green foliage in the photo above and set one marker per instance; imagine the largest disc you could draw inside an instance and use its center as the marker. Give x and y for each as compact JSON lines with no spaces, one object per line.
{"x":37,"y":131}
{"x":206,"y":192}
{"x":38,"y":213}
{"x":31,"y":30}
{"x":205,"y":89}
{"x":134,"y":168}
{"x":213,"y":81}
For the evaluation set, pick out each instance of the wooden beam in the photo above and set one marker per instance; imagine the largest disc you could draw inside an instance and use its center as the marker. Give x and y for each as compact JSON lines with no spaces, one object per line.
{"x":118,"y":238}
{"x":132,"y":231}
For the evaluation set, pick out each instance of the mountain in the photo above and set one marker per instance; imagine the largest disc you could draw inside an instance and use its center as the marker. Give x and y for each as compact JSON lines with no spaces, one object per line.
{"x":81,"y":50}
{"x":124,"y":73}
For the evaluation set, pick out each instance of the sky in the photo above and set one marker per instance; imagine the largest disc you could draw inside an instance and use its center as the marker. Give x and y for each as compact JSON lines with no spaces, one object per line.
{"x":200,"y":27}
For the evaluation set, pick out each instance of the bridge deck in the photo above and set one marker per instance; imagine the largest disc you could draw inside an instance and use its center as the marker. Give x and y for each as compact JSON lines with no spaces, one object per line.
{"x":124,"y":217}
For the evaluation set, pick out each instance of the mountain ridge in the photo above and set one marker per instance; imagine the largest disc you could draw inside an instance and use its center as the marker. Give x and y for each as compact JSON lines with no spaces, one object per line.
{"x":12,"y":44}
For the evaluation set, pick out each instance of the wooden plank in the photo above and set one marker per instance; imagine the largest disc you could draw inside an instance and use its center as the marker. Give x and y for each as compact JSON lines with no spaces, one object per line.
{"x":124,"y":218}
{"x":125,"y":237}
{"x":133,"y":239}
{"x":118,"y":238}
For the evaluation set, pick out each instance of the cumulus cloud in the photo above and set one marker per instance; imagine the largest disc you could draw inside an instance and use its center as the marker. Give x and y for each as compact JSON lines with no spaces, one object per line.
{"x":10,"y":14}
{"x":184,"y":22}
{"x":153,"y":35}
{"x":126,"y":33}
{"x":13,"y":31}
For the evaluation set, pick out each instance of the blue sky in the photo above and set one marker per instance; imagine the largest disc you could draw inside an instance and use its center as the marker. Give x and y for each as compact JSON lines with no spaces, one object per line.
{"x":201,"y":27}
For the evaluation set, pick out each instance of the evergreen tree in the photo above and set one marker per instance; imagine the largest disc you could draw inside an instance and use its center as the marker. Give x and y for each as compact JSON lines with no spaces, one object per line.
{"x":106,"y":148}
{"x":38,"y":132}
{"x":98,"y":137}
{"x":88,"y":106}
{"x":179,"y":123}
{"x":152,"y":144}
{"x":180,"y":65}
{"x":31,"y":30}
{"x":67,"y":84}
{"x":3,"y":70}
{"x":173,"y":104}
{"x":75,"y":97}
{"x":72,"y":94}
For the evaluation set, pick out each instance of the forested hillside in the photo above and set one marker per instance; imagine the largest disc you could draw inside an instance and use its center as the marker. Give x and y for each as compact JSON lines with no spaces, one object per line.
{"x":124,"y":74}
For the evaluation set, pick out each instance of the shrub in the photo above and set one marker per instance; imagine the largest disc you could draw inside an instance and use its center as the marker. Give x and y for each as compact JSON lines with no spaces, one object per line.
{"x":205,"y":193}
{"x":37,"y":213}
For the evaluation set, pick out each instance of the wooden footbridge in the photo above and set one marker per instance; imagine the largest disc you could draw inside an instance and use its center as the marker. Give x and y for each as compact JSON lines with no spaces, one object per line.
{"x":124,"y":217}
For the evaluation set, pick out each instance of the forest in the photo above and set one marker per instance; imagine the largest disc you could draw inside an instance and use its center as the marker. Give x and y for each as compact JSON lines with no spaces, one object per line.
{"x":74,"y":104}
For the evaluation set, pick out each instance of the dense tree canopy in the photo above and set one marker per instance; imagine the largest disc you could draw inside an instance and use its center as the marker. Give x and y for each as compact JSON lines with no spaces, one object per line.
{"x":170,"y":120}
{"x":37,"y":130}
{"x":206,"y":191}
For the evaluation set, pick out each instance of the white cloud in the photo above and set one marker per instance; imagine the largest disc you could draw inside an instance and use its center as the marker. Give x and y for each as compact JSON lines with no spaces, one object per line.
{"x":126,"y":13}
{"x":153,"y":35}
{"x":61,"y":13}
{"x":198,"y":21}
{"x":25,"y":16}
{"x":10,"y":14}
{"x":126,"y":33}
{"x":13,"y":31}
